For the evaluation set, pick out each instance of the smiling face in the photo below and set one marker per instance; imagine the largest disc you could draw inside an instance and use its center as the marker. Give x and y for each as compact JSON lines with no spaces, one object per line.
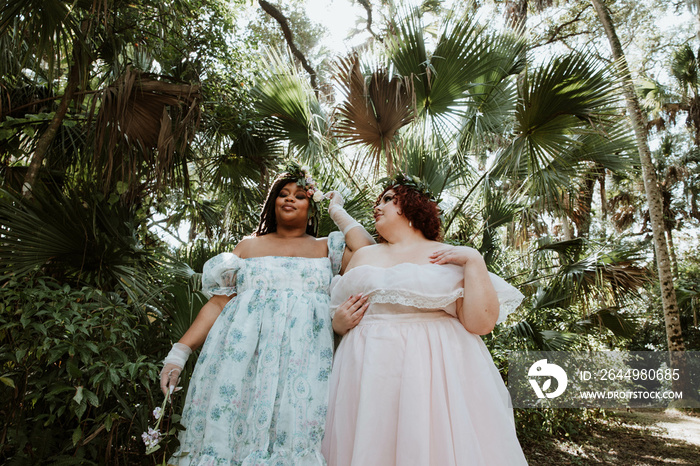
{"x":291,"y":204}
{"x":387,"y":211}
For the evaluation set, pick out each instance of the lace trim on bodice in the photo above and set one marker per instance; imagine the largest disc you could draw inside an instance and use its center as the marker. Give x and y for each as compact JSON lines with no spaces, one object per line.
{"x":409,"y":298}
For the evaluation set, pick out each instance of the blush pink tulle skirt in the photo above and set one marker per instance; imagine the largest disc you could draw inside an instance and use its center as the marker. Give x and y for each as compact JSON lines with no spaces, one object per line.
{"x":417,"y":389}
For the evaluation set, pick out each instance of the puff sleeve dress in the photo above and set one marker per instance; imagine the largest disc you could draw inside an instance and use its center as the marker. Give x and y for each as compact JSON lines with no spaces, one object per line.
{"x":259,"y":390}
{"x":410,"y":385}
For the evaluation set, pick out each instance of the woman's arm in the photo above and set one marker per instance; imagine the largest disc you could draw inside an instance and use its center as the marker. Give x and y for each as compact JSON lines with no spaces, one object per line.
{"x":192,"y":339}
{"x":194,"y":336}
{"x":479,"y":310}
{"x":356,"y":237}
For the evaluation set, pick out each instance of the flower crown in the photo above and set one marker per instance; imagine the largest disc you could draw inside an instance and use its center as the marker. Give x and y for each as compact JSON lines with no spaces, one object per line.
{"x":302,"y":174}
{"x":412,"y":182}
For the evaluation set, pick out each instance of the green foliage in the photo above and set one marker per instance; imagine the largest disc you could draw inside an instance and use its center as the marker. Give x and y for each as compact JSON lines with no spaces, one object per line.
{"x":77,"y":368}
{"x":81,"y":237}
{"x":534,"y":425}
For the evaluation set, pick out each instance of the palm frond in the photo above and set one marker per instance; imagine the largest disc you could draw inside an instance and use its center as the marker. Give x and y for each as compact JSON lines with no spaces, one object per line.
{"x":50,"y":25}
{"x":610,"y":275}
{"x":143,"y":119}
{"x":566,"y":107}
{"x":542,"y":339}
{"x":684,"y":67}
{"x":374,"y":109}
{"x":79,"y":238}
{"x":289,"y":108}
{"x":609,"y":318}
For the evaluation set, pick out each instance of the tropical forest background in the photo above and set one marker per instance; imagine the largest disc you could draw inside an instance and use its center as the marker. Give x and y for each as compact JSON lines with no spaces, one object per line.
{"x":138,"y":139}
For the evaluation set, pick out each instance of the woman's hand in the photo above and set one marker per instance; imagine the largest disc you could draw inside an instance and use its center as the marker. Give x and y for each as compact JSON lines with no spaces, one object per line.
{"x":349,"y":314}
{"x":173,"y":364}
{"x":169,"y":378}
{"x":458,"y":255}
{"x":335,"y":199}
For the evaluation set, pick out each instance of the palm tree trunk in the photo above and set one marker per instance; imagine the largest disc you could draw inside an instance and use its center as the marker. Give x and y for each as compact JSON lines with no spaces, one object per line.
{"x":672,"y":252}
{"x":674,"y":336}
{"x":45,"y":140}
{"x":584,"y":211}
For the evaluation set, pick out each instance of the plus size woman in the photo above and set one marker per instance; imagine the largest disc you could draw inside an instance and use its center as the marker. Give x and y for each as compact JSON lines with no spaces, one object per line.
{"x":412,"y":381}
{"x":259,"y":390}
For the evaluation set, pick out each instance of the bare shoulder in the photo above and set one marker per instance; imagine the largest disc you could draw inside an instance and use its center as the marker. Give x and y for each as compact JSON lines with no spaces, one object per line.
{"x":367,"y":255}
{"x":438,"y":246}
{"x":245,"y":247}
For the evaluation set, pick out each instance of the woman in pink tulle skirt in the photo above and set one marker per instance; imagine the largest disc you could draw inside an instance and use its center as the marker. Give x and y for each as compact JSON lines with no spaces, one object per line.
{"x":412,"y":381}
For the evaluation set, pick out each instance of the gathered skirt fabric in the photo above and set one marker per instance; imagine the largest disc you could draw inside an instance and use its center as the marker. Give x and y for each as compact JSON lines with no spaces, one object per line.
{"x":417,"y":389}
{"x":259,"y":390}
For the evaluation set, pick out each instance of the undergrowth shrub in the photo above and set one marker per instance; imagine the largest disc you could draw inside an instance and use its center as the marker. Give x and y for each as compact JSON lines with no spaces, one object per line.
{"x":76,"y":366}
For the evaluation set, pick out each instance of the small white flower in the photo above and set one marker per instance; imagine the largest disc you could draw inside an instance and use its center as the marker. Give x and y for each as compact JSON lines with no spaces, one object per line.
{"x":318,"y":196}
{"x":479,"y":114}
{"x":305,"y":169}
{"x":151,"y":438}
{"x":309,"y":181}
{"x":157,"y":413}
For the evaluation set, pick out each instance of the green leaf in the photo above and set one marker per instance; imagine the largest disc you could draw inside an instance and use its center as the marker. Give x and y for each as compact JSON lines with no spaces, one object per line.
{"x":7,"y":381}
{"x":91,"y":398}
{"x":7,"y":133}
{"x":78,"y":398}
{"x":77,"y":434}
{"x":80,"y":410}
{"x":73,"y":369}
{"x":122,"y":187}
{"x":152,"y":449}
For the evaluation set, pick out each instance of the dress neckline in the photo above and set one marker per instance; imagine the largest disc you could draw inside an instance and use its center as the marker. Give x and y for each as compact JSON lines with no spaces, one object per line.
{"x":393,"y":266}
{"x":280,"y":257}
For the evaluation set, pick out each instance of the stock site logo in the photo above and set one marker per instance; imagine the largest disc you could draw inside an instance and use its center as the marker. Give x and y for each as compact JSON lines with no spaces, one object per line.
{"x":542,"y":369}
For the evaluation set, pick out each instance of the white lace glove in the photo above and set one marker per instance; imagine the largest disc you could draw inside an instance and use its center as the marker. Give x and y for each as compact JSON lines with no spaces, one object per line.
{"x":341,"y":218}
{"x":174,"y":362}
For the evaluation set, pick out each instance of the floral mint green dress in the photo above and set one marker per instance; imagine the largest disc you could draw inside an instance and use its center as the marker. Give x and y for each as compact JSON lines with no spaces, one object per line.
{"x":259,"y":391}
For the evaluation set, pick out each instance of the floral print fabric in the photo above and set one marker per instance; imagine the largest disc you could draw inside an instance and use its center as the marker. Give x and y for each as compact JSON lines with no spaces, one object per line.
{"x":259,"y":391}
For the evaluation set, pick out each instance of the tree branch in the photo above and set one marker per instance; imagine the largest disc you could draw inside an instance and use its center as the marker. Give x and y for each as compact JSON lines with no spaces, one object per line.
{"x":289,"y":38}
{"x":368,"y":8}
{"x":558,"y":29}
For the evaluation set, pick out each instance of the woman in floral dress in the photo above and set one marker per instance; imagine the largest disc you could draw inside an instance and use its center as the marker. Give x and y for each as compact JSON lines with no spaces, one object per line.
{"x":259,"y":391}
{"x":413,"y":383}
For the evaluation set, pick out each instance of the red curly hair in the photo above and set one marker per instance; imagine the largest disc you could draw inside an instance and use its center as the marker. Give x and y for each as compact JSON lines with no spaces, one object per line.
{"x":418,"y":209}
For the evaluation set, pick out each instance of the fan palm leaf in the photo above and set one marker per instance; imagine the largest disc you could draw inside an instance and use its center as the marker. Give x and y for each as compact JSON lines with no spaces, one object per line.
{"x":612,"y":274}
{"x":565,"y":108}
{"x":447,"y":80}
{"x":542,"y":339}
{"x":684,"y":67}
{"x":78,"y":238}
{"x":374,"y":109}
{"x":51,"y":25}
{"x":290,"y":110}
{"x":144,"y":126}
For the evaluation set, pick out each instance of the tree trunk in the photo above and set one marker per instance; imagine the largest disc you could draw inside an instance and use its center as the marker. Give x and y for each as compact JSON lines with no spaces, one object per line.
{"x":674,"y":336}
{"x":583,"y":213}
{"x":672,"y":252}
{"x":45,"y":140}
